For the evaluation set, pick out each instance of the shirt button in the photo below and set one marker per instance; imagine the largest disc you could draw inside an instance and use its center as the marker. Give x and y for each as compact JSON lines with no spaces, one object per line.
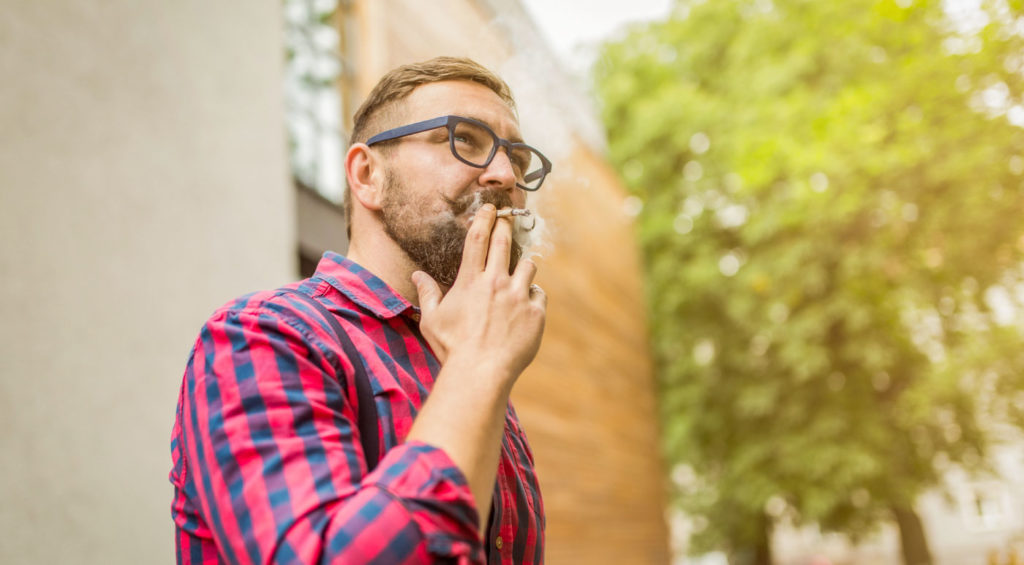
{"x":497,"y":542}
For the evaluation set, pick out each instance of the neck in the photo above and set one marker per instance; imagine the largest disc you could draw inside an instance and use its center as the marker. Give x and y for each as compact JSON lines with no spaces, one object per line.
{"x":381,"y":256}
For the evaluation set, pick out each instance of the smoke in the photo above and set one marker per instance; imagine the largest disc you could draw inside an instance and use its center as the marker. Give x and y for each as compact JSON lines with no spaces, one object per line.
{"x":555,"y":112}
{"x":529,"y":232}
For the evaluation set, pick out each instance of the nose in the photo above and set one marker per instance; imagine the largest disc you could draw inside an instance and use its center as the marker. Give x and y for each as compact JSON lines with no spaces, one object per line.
{"x":499,"y":174}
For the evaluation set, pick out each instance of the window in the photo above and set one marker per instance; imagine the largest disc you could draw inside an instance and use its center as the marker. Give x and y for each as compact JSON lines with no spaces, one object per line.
{"x":319,"y":86}
{"x":318,"y":83}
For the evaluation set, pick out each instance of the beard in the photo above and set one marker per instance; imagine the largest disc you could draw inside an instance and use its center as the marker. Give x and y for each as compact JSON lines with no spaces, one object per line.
{"x":435,"y":244}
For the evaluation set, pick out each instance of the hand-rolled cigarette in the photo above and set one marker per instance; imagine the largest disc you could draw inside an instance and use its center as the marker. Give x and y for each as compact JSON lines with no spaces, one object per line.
{"x":513,"y":212}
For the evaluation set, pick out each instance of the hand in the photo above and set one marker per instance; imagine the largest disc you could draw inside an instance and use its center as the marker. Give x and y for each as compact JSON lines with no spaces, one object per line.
{"x":489,"y":318}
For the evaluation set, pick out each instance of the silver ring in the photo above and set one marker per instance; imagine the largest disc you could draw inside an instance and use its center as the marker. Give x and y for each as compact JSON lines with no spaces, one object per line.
{"x":535,"y":288}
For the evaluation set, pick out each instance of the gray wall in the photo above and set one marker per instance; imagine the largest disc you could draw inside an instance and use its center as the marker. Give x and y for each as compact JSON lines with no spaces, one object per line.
{"x":143,"y":182}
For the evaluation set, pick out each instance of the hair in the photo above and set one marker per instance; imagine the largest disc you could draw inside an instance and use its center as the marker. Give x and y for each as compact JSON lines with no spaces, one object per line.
{"x":382,"y":104}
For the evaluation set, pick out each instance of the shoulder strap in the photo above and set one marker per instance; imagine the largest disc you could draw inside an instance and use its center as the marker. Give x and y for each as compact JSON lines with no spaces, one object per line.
{"x":368,"y":426}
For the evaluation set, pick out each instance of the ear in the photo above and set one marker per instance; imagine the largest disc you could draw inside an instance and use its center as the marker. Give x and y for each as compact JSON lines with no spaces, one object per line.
{"x":365,"y":173}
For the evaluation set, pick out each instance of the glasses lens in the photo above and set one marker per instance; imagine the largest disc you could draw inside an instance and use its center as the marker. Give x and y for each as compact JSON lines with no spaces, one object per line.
{"x":529,"y":167}
{"x":475,"y":144}
{"x":472,"y":142}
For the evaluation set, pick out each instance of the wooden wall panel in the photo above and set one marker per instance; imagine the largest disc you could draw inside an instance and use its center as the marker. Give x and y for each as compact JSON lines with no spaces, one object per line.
{"x":587,"y":403}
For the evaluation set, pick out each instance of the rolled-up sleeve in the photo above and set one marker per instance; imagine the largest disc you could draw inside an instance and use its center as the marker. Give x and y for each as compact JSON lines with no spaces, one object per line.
{"x":268,"y":434}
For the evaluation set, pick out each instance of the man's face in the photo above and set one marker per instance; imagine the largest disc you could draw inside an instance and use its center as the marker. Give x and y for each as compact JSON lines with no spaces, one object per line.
{"x":430,"y":197}
{"x":435,"y":243}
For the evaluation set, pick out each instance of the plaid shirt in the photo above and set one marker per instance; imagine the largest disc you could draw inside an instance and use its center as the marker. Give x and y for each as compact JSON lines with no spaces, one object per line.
{"x":267,"y":462}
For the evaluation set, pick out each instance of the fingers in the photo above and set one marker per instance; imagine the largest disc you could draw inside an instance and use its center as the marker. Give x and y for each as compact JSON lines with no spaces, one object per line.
{"x":525,"y":271}
{"x":474,"y":254}
{"x":538,"y":296}
{"x":428,"y":290}
{"x":523,"y":277}
{"x":500,"y":251}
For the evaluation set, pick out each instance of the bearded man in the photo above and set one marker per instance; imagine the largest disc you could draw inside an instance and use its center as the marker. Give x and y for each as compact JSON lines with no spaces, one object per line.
{"x":362,"y":415}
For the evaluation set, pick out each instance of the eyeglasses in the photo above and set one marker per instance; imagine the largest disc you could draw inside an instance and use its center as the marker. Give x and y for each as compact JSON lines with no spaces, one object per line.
{"x":475,"y":144}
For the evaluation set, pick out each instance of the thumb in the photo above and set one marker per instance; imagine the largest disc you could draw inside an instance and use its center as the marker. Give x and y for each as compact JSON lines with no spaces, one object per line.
{"x":428,"y":290}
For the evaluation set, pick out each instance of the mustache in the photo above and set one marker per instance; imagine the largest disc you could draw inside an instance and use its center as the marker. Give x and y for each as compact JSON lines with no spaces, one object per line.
{"x":473,"y":202}
{"x":452,"y":237}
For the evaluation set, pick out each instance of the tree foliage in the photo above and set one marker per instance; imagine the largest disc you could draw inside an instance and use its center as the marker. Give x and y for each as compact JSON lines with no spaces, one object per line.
{"x":832,"y":200}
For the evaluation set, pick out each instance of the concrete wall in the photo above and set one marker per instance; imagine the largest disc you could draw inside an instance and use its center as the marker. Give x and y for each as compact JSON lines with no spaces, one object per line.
{"x":142,"y":183}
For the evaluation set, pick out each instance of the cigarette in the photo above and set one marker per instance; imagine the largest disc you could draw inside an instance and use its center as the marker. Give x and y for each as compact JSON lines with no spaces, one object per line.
{"x":513,"y":212}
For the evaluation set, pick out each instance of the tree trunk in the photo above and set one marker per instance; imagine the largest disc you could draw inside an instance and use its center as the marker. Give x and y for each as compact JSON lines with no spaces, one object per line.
{"x":913,"y":542}
{"x":760,"y":552}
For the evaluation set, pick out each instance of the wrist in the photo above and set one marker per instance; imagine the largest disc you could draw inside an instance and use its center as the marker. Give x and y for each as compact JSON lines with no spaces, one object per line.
{"x":479,"y":373}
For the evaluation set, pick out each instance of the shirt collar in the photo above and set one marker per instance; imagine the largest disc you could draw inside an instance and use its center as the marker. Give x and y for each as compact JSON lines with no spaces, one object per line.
{"x":362,"y":287}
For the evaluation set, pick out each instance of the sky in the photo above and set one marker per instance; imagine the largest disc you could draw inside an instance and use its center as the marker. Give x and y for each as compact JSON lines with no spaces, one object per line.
{"x":573,"y":25}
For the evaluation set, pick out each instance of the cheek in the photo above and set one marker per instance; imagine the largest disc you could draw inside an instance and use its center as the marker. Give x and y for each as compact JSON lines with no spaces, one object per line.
{"x":426,"y":211}
{"x":442,"y":178}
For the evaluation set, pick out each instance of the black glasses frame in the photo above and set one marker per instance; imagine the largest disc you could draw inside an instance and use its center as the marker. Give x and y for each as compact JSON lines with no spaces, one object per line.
{"x":450,"y":122}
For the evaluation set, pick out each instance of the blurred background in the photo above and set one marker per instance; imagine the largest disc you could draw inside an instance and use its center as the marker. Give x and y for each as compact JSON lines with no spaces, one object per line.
{"x":783,"y":248}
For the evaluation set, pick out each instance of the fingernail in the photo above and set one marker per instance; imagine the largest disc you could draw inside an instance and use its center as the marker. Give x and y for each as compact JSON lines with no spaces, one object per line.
{"x":487,"y":208}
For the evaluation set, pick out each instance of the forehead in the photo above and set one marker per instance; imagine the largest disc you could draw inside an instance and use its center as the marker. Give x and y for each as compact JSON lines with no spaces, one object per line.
{"x":461,"y":98}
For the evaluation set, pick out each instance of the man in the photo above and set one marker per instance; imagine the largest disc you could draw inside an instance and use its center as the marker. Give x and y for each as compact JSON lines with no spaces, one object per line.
{"x":268,"y":457}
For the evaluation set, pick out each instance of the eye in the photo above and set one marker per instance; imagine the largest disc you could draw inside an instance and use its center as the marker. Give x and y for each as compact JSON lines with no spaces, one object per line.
{"x":520,"y":160}
{"x":469,"y":140}
{"x":471,"y":136}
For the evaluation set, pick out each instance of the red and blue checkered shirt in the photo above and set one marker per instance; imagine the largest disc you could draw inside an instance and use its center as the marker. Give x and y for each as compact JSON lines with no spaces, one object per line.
{"x":267,"y":461}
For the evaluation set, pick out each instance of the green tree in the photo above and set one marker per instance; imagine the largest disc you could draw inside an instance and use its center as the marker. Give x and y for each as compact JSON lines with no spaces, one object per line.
{"x":831,"y":191}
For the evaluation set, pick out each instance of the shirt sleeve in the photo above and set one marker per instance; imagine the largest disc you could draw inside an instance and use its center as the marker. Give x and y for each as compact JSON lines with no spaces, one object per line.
{"x":271,"y":443}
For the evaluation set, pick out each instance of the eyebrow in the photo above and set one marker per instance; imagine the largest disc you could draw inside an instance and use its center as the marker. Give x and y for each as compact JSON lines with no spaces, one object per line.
{"x":513,"y":139}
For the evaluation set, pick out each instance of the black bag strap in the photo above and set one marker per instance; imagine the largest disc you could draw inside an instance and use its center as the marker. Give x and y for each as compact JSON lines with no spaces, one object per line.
{"x":367,"y":417}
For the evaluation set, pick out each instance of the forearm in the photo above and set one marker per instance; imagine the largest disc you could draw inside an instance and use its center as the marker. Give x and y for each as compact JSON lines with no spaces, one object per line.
{"x":275,"y":469}
{"x":413,"y":509}
{"x":465,"y":417}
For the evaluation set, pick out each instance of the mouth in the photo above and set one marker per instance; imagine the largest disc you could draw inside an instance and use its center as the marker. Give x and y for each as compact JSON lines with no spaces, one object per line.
{"x":523,"y":219}
{"x":465,"y":208}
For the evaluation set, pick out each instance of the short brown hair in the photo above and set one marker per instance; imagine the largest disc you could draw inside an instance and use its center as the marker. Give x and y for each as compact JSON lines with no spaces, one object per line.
{"x":398,"y":83}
